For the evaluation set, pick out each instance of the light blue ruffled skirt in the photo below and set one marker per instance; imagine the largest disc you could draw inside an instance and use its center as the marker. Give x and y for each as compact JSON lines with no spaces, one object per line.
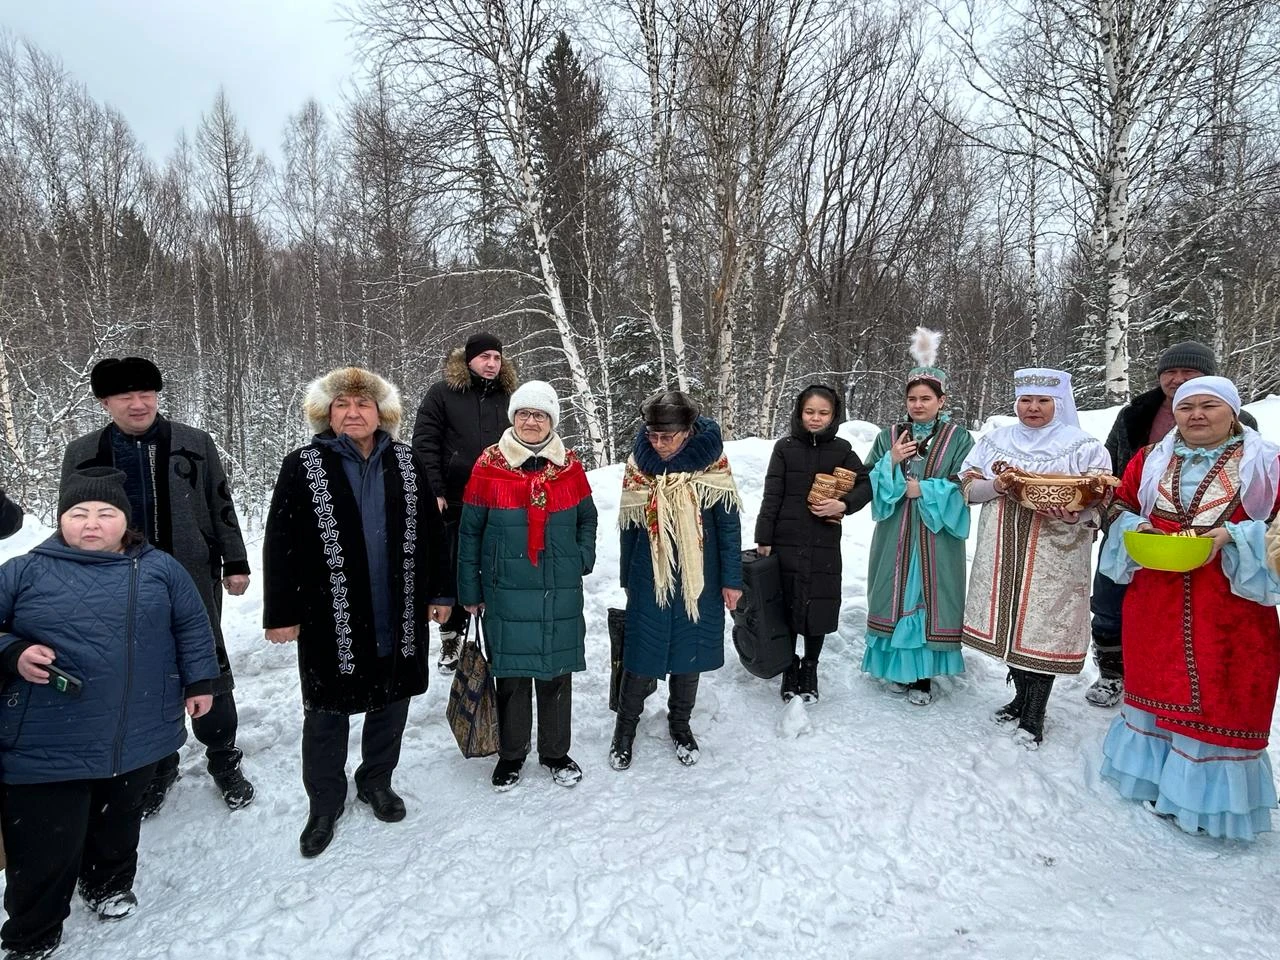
{"x":902,"y":657}
{"x":1222,"y":791}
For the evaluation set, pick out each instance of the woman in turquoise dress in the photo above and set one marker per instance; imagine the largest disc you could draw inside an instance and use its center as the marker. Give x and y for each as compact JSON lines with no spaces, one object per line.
{"x":916,"y":576}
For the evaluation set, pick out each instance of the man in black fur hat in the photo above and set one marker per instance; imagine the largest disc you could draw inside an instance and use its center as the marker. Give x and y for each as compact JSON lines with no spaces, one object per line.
{"x":181,"y":502}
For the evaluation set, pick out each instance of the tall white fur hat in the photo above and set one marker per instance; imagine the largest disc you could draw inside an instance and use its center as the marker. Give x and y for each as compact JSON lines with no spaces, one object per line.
{"x":353,"y":382}
{"x":535,"y":395}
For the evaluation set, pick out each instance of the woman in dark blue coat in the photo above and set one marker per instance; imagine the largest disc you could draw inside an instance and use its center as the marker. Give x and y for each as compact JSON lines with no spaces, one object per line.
{"x":681,"y":566}
{"x":105,"y":641}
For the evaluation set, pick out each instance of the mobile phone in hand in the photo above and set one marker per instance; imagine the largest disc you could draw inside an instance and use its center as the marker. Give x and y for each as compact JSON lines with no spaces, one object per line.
{"x":62,"y":681}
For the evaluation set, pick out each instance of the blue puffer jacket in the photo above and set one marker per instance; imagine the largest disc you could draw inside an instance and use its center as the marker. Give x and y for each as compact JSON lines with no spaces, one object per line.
{"x":132,"y":627}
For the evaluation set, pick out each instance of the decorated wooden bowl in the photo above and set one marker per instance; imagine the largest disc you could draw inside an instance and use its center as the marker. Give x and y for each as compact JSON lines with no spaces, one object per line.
{"x":1042,"y":491}
{"x":1175,"y":553}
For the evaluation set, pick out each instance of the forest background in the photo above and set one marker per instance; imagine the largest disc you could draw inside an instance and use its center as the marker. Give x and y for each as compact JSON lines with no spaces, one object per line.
{"x":733,"y":197}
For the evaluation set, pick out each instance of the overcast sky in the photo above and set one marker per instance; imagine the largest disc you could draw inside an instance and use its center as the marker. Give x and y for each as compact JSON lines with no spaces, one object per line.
{"x":160,"y":62}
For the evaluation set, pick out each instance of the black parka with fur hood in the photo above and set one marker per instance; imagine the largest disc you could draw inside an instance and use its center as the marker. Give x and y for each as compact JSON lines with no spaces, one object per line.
{"x":460,"y":416}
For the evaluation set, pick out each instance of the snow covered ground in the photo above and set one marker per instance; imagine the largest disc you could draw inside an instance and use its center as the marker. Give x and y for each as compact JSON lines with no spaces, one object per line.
{"x":857,"y":827}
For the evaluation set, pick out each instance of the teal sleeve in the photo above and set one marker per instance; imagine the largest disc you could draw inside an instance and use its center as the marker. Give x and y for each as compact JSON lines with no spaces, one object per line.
{"x":1113,"y":559}
{"x":470,"y":536}
{"x":943,"y":508}
{"x":1244,"y":561}
{"x":888,"y":486}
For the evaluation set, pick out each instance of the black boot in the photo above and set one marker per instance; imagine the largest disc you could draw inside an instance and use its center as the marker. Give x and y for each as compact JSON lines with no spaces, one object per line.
{"x":1030,"y":732}
{"x":791,"y":681}
{"x":682,"y":693}
{"x":1108,"y":689}
{"x":809,"y":680}
{"x":632,"y":691}
{"x":1012,"y":710}
{"x":236,"y":790}
{"x":162,"y":781}
{"x":317,"y":834}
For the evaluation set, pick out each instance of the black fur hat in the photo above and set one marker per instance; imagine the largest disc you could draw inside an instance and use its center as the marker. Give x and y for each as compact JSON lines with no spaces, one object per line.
{"x":669,"y":410}
{"x":115,"y":375}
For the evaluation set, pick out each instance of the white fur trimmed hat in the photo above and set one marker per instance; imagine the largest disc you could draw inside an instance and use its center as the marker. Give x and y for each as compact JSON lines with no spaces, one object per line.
{"x":535,"y":395}
{"x":354,"y":382}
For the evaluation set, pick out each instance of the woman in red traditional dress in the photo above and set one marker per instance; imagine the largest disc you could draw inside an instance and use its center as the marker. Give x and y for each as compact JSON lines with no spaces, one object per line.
{"x":1201,"y":649}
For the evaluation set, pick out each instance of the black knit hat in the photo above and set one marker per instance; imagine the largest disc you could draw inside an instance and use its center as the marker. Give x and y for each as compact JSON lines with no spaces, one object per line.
{"x":669,"y":410}
{"x":115,"y":375}
{"x":479,"y":343}
{"x":104,"y":484}
{"x":1188,"y":355}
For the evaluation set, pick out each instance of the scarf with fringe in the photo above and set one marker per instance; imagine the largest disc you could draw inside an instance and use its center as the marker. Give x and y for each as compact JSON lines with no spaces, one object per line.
{"x":669,"y":508}
{"x":497,"y":482}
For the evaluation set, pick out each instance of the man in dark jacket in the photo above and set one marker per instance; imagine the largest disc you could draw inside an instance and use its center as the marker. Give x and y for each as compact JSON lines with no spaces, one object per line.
{"x":1146,"y":419}
{"x":461,"y":414}
{"x":181,"y":503}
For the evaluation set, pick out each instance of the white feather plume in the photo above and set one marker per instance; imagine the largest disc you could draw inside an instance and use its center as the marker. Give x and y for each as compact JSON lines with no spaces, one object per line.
{"x":924,"y":346}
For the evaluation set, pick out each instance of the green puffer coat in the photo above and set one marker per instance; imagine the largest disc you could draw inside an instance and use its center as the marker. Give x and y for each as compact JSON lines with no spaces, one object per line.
{"x":533,"y":619}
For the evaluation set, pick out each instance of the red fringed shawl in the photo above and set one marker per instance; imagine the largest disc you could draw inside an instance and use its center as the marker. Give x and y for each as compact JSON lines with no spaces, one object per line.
{"x":497,"y":485}
{"x":1205,"y":661}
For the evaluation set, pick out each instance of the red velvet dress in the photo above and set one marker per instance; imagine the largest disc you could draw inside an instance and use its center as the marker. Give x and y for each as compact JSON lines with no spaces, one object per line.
{"x":1203,"y":660}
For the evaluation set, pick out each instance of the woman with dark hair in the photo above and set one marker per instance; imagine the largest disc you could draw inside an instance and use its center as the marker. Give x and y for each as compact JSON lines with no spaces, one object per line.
{"x":681,"y":566}
{"x":805,"y":536}
{"x":922,"y":521}
{"x":103,"y":642}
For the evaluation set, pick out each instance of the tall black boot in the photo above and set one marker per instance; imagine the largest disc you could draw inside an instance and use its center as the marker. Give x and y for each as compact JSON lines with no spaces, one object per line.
{"x":632,"y":691}
{"x":1012,"y":710}
{"x":1030,"y":730}
{"x":682,"y":693}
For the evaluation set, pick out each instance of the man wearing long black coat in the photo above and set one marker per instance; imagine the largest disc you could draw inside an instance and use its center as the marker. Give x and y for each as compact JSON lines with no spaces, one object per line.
{"x":461,"y":415}
{"x":181,"y":502}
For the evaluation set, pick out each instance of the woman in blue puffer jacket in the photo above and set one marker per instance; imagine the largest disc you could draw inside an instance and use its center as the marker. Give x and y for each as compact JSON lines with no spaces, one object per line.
{"x":103,"y":642}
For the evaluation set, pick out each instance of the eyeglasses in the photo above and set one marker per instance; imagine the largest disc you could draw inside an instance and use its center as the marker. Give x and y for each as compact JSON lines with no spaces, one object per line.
{"x":661,"y":436}
{"x":533,"y":416}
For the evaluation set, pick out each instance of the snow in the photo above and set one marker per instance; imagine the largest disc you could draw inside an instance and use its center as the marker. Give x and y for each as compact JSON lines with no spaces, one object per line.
{"x":859,"y":826}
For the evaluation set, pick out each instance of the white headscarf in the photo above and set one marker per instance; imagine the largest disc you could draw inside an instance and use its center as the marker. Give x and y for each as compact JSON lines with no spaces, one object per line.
{"x":1259,"y":462}
{"x":1060,"y":446}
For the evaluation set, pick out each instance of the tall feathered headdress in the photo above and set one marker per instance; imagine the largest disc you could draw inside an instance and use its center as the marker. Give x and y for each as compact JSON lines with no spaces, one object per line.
{"x":924,"y":351}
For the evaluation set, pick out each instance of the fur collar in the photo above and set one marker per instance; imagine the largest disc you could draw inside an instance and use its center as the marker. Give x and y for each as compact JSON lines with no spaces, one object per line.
{"x":457,"y":375}
{"x":704,"y":447}
{"x":516,"y":453}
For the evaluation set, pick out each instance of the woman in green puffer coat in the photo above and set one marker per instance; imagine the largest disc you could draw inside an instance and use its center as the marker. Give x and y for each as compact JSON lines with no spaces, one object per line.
{"x":526,"y":539}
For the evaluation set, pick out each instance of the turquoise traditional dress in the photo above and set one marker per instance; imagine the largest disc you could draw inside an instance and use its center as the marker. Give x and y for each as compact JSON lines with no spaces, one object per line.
{"x":1179,"y":754}
{"x":916,"y":575}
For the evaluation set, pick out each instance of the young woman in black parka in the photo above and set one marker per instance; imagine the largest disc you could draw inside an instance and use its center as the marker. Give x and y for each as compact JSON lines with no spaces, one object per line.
{"x":807,"y":545}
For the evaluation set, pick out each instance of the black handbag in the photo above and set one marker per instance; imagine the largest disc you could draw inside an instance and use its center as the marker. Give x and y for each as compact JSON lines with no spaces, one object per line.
{"x":472,"y":710}
{"x":761,"y":634}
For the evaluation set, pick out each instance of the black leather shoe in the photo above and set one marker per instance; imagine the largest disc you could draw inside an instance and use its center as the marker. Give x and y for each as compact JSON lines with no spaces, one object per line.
{"x":318,"y":833}
{"x":386,"y":803}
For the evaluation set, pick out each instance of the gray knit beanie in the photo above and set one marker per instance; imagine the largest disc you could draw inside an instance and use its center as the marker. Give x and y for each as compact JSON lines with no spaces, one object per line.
{"x":1188,"y":355}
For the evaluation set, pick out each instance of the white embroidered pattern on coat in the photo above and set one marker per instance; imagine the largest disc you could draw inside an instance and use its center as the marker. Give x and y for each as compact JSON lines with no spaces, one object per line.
{"x":322,"y":501}
{"x":410,"y":476}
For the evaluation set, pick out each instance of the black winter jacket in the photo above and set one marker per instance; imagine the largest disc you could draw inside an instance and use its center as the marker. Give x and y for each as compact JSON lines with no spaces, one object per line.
{"x":461,"y":415}
{"x":808,"y":547}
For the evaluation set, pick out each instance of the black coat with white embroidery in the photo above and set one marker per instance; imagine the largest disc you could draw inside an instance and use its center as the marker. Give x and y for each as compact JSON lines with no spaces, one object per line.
{"x":317,"y":576}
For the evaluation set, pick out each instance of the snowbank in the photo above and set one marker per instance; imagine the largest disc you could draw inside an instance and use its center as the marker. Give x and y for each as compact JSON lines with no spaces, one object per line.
{"x":856,"y":827}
